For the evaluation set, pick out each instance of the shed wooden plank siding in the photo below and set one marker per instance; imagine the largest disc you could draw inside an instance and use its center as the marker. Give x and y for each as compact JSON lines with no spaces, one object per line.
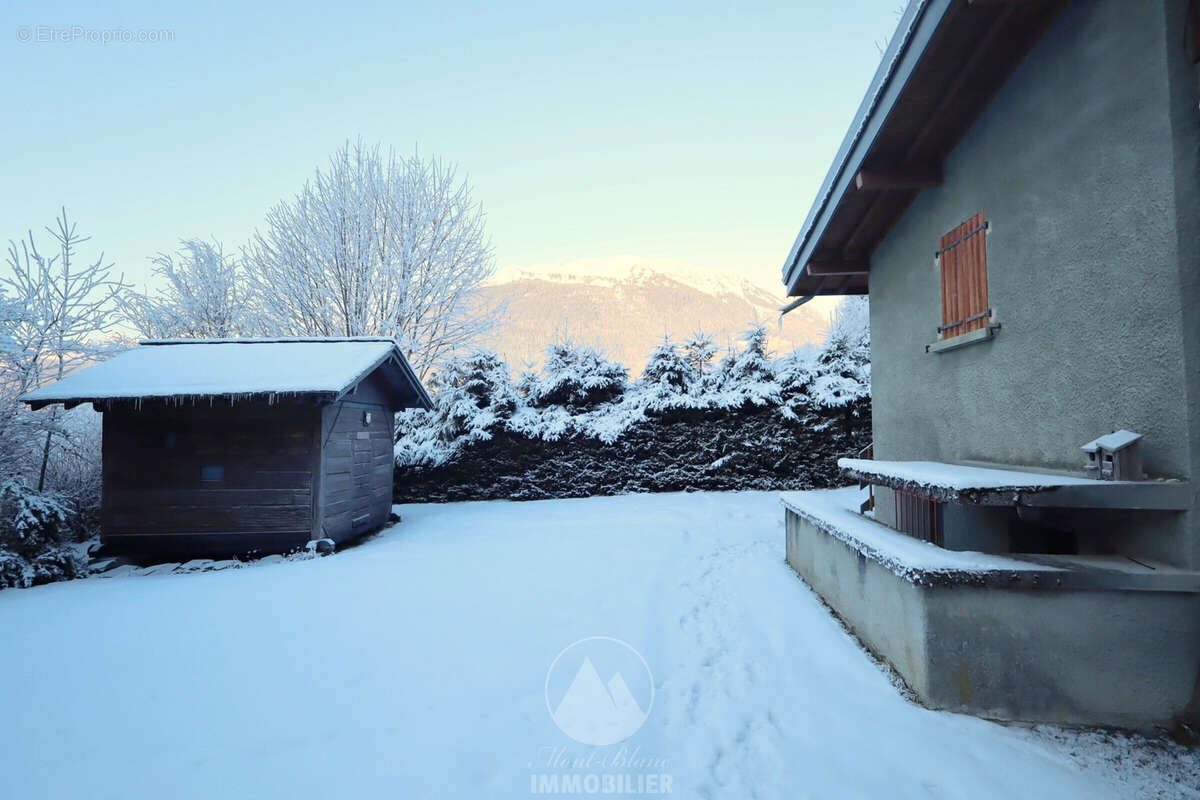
{"x":358,"y":469}
{"x":230,"y":447}
{"x":199,"y":475}
{"x":962,"y":254}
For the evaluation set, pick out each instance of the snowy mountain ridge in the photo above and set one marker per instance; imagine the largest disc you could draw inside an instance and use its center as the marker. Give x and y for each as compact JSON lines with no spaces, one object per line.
{"x":618,"y":271}
{"x":624,"y":305}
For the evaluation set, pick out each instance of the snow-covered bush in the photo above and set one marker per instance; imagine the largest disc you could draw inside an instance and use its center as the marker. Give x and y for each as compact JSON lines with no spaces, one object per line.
{"x":474,"y":396}
{"x":669,"y":381}
{"x":698,"y":351}
{"x":34,"y":530}
{"x":795,"y":373}
{"x":29,"y":517}
{"x":668,"y":367}
{"x":745,"y":377}
{"x":526,"y":382}
{"x":580,"y":426}
{"x":577,"y":377}
{"x":417,"y":440}
{"x":843,"y":368}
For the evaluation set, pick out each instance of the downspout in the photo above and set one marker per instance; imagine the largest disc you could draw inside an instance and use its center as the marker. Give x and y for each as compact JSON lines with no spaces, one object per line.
{"x":799,"y":301}
{"x":792,"y":306}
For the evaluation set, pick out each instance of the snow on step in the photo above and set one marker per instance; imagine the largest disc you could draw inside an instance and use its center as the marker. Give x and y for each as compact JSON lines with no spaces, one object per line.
{"x":835,"y":511}
{"x":959,"y":477}
{"x":959,"y":483}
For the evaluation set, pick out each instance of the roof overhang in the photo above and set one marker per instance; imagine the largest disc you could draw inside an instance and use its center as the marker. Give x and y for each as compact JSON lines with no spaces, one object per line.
{"x":942,"y":67}
{"x":400,"y":378}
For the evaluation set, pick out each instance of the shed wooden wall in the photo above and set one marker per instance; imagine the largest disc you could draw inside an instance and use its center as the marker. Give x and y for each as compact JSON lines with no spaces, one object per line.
{"x":357,"y":467}
{"x":157,"y":498}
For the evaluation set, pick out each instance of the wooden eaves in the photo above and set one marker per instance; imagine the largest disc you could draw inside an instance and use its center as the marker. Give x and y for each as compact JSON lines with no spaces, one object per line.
{"x":944,"y":64}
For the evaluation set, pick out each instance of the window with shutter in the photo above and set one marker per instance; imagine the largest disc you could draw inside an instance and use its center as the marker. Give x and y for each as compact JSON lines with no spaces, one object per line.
{"x":963,"y":259}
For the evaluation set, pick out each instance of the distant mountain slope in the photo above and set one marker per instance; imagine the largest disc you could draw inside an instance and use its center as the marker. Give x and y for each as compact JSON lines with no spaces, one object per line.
{"x":625,"y":306}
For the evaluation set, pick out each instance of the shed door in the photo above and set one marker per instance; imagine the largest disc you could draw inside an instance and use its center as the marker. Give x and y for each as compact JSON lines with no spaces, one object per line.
{"x":360,"y":451}
{"x":358,"y":470}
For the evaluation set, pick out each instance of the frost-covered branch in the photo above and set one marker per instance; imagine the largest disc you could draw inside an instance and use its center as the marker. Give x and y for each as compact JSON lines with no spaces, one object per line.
{"x":377,"y":244}
{"x":65,"y":312}
{"x":204,"y":295}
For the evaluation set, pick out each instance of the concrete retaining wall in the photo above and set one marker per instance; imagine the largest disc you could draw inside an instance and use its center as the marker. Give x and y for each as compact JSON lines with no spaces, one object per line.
{"x":1121,"y":658}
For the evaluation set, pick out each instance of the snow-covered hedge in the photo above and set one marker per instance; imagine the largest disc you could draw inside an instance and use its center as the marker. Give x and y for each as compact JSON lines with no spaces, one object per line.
{"x":581,"y":427}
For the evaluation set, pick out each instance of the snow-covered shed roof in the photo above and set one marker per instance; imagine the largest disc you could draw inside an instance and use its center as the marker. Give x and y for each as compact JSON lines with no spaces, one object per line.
{"x":1112,"y":441}
{"x":193,"y":368}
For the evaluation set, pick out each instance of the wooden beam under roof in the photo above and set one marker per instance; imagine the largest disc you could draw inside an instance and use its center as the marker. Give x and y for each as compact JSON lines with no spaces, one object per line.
{"x":964,"y":58}
{"x":913,"y":177}
{"x":832,"y":268}
{"x":950,"y":95}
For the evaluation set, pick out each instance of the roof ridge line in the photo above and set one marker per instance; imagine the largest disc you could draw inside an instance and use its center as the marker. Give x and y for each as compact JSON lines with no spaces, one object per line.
{"x":270,"y":340}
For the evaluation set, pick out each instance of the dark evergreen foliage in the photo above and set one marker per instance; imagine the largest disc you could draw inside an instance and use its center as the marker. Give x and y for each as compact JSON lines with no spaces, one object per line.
{"x":754,"y":448}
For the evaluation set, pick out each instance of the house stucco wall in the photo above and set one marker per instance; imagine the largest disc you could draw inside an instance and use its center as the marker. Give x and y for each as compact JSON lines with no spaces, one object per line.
{"x":1085,"y":164}
{"x":1185,"y":124}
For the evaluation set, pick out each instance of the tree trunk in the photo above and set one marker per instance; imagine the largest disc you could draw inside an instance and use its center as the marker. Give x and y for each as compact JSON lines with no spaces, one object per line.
{"x":45,"y":461}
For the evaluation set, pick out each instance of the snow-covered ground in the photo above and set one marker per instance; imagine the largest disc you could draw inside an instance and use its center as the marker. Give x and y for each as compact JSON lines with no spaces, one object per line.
{"x":415,"y":665}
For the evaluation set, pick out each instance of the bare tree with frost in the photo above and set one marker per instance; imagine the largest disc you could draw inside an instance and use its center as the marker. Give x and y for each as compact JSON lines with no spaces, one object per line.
{"x":377,"y":244}
{"x":60,"y":311}
{"x":204,"y":295}
{"x":13,"y":383}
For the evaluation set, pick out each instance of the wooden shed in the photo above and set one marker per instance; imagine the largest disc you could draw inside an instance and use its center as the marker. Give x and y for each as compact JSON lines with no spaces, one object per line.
{"x":237,"y":446}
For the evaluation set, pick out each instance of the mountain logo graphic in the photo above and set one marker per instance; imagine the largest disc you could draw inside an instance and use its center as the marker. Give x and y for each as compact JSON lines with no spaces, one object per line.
{"x":590,"y":709}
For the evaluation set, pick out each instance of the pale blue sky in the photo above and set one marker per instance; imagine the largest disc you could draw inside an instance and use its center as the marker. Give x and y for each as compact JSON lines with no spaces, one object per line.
{"x":692,"y":131}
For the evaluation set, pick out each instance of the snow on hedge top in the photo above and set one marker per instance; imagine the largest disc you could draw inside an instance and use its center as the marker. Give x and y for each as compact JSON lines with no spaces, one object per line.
{"x":957,"y":477}
{"x":174,"y":368}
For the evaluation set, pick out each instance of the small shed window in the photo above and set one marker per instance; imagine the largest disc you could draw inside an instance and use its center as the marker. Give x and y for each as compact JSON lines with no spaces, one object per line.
{"x":962,"y":256}
{"x":212,"y":473}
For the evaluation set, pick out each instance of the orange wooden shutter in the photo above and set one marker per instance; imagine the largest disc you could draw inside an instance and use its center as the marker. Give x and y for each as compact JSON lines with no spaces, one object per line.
{"x":963,"y":256}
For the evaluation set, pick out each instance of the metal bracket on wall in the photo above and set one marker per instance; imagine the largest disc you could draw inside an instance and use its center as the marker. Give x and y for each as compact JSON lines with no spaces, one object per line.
{"x":959,"y":241}
{"x":967,"y":321}
{"x":962,"y":340}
